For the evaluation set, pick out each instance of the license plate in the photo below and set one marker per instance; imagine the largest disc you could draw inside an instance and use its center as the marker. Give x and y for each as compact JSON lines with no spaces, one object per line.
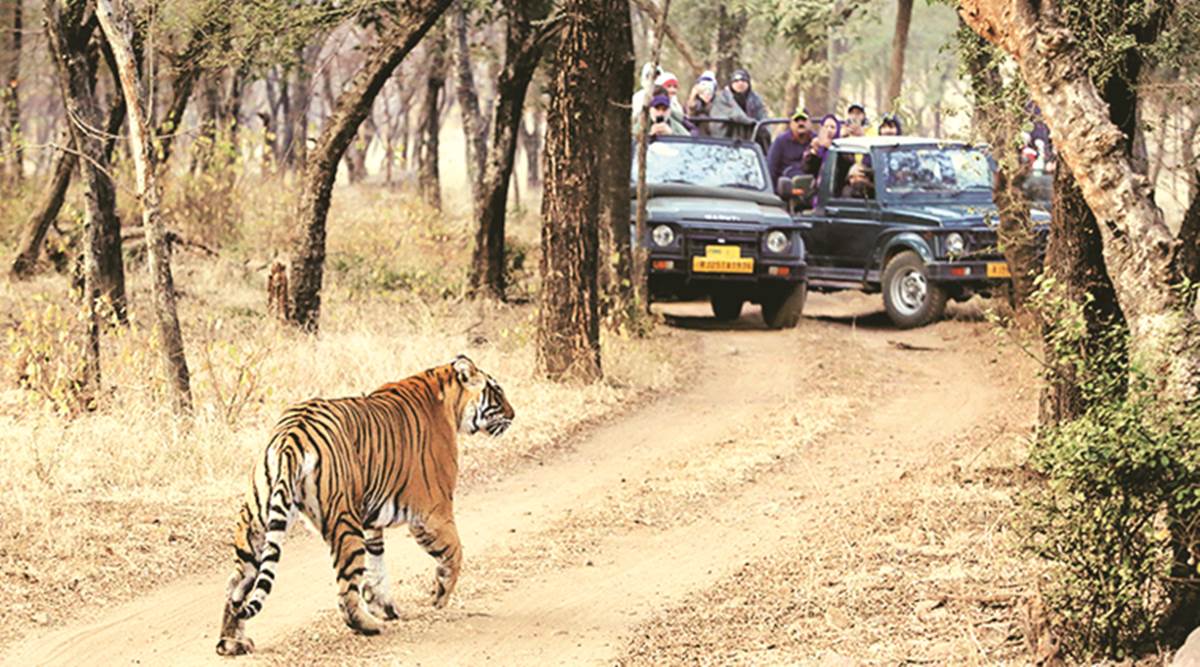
{"x":998,"y":270}
{"x":723,"y":259}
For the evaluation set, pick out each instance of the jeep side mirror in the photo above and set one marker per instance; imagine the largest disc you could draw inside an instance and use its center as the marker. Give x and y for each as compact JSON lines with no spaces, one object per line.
{"x":794,"y":187}
{"x":784,"y":188}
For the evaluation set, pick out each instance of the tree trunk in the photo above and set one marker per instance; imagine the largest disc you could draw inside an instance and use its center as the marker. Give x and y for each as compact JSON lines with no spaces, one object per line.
{"x":617,"y":276}
{"x":398,"y":36}
{"x":1139,"y":251}
{"x":999,"y":123}
{"x":727,"y":42}
{"x":1075,"y":260}
{"x":904,"y":9}
{"x":428,"y":179}
{"x":525,"y":35}
{"x":791,"y":91}
{"x":10,"y":95}
{"x":117,"y":30}
{"x":474,"y":124}
{"x":531,"y":145}
{"x":44,"y":216}
{"x":568,"y":316}
{"x":816,"y":93}
{"x":297,"y":100}
{"x":69,"y":33}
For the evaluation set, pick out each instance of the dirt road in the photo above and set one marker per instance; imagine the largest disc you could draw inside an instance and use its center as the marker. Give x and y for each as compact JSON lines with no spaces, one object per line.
{"x":568,"y":559}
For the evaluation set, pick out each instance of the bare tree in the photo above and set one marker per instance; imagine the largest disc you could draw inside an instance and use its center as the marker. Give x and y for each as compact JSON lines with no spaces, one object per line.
{"x":727,"y":41}
{"x":526,"y":32}
{"x":617,"y":277}
{"x":69,"y":31}
{"x":10,"y":92}
{"x":568,"y":316}
{"x":399,"y":34}
{"x":681,"y":45}
{"x":428,"y":179}
{"x":474,"y":123}
{"x":904,"y":10}
{"x":119,"y":34}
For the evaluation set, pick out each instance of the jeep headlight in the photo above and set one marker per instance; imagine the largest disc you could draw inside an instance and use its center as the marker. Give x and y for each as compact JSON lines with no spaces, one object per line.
{"x":663,"y":235}
{"x":955,"y":244}
{"x":777,"y":241}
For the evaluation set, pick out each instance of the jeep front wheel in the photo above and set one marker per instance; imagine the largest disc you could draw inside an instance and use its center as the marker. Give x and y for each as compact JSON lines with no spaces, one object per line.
{"x":726,"y":307}
{"x":781,"y":309}
{"x":910,"y":298}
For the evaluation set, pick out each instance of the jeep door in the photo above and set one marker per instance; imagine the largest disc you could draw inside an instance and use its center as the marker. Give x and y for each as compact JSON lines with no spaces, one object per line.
{"x":845,"y":236}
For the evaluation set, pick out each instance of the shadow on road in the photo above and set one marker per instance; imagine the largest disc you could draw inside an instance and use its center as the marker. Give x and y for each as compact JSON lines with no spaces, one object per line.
{"x":747,"y":322}
{"x":877,"y":320}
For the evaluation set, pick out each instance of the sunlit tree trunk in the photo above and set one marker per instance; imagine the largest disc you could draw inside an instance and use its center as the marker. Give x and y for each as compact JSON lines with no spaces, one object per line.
{"x":474,"y":123}
{"x":10,"y":92}
{"x":904,"y":9}
{"x":118,"y":31}
{"x":568,"y":338}
{"x":428,"y":179}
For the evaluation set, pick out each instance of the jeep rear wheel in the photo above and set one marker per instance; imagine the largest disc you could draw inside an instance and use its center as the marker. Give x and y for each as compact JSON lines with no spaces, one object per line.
{"x":782,"y":309}
{"x":726,"y":307}
{"x":910,"y":298}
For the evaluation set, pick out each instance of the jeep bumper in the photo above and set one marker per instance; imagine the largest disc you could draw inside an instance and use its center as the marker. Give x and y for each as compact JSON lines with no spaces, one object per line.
{"x":672,"y":277}
{"x":971,"y":271}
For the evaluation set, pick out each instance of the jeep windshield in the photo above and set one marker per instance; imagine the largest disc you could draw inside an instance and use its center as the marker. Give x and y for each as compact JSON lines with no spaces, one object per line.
{"x":938,"y":171}
{"x":714,"y":165}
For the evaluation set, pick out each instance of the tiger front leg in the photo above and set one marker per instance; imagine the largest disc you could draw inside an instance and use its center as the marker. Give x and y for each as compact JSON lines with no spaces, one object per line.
{"x":247,"y":545}
{"x":439,"y":537}
{"x":378,"y":590}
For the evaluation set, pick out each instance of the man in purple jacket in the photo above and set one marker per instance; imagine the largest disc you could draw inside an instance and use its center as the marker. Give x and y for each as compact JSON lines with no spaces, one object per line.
{"x":786,"y":154}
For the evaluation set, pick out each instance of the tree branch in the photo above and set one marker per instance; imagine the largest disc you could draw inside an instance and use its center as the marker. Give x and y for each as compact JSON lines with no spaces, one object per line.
{"x":681,"y":45}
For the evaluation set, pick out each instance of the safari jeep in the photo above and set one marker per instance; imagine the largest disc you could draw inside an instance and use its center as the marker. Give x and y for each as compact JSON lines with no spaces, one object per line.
{"x":716,"y":230}
{"x":924,"y":233}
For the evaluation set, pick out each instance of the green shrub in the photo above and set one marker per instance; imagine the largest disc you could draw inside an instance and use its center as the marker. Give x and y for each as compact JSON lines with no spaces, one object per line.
{"x":1121,"y":482}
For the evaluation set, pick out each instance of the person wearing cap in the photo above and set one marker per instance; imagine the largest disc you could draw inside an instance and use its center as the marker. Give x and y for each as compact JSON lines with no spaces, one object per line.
{"x":739,"y":103}
{"x":786,"y":155}
{"x":856,"y":120}
{"x":661,"y":121}
{"x":889,"y":126}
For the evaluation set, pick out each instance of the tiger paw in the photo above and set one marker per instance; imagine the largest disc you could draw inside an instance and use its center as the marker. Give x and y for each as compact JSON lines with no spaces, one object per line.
{"x":385,"y":610}
{"x":231,"y":646}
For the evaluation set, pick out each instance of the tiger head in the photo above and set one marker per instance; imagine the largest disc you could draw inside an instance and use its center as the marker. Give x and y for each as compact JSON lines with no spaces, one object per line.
{"x":484,"y":407}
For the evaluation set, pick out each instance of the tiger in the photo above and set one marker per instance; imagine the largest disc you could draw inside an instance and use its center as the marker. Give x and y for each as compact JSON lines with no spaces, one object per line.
{"x":354,"y":466}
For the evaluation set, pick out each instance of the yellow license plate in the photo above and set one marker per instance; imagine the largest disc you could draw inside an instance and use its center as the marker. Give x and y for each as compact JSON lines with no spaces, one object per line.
{"x":707,"y":265}
{"x":998,"y":270}
{"x":723,"y":259}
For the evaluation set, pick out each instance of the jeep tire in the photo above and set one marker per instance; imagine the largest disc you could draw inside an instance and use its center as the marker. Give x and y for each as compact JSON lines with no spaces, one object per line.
{"x":781,"y":308}
{"x":910,"y":298}
{"x":726,"y":307}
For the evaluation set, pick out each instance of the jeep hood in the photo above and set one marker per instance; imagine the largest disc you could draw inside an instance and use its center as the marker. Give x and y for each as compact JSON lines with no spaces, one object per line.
{"x":709,"y":210}
{"x":942,"y":214}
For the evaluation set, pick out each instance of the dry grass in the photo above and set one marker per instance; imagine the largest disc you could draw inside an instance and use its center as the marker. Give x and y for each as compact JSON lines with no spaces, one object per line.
{"x":108,"y":504}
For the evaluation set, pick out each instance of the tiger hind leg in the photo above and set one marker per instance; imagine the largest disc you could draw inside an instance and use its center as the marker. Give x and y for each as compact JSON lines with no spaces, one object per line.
{"x":247,"y":551}
{"x":378,"y":590}
{"x":439,"y":537}
{"x":349,"y":559}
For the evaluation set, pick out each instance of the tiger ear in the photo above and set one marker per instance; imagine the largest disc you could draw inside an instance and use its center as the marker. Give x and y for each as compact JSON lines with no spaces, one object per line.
{"x":466,"y":371}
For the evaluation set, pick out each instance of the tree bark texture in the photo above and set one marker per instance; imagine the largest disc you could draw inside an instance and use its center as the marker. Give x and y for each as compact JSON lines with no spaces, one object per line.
{"x":1075,"y":260}
{"x":1140,"y":253}
{"x":904,"y":10}
{"x":639,"y":257}
{"x":568,"y":316}
{"x":526,"y":33}
{"x":474,"y":123}
{"x":69,"y":31}
{"x":397,"y":38}
{"x":118,"y":32}
{"x":10,"y":92}
{"x":617,"y":273}
{"x":428,"y":180}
